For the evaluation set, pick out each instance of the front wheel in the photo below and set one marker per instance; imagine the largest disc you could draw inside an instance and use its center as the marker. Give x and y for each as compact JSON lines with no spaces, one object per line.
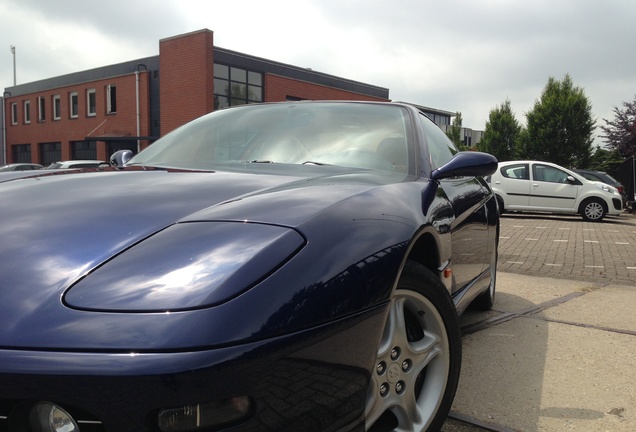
{"x":593,"y":210}
{"x":419,"y":358}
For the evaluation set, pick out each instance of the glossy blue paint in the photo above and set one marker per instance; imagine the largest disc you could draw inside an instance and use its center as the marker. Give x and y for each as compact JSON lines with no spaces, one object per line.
{"x":175,"y":286}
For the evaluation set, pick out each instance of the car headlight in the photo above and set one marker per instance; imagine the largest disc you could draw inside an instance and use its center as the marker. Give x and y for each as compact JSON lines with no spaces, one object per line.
{"x":186,"y":266}
{"x":47,"y":417}
{"x":606,"y":188}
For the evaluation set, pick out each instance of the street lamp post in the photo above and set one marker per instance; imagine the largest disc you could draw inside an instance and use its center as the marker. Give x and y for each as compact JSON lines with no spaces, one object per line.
{"x":13,"y":52}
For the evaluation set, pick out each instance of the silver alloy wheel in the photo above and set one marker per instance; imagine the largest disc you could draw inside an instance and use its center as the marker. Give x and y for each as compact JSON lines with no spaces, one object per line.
{"x":594,"y":210}
{"x":412,"y":366}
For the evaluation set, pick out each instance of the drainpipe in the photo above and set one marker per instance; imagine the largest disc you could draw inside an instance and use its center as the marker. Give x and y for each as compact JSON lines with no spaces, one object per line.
{"x":139,"y":66}
{"x":3,"y":156}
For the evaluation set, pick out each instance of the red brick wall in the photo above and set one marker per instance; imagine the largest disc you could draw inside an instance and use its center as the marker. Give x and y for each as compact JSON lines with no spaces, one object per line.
{"x":186,"y":63}
{"x":278,"y":88}
{"x":67,"y":129}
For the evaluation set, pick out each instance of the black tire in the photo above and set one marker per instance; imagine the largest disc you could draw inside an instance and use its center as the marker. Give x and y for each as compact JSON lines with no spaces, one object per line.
{"x":419,"y":358}
{"x":500,"y":204}
{"x":593,"y":210}
{"x":486,"y":300}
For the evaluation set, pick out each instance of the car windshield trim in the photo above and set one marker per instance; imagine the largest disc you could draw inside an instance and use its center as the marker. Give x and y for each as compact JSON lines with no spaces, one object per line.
{"x":354,"y":135}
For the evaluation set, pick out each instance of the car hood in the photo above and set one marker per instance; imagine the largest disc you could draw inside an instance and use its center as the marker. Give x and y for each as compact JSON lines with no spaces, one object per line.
{"x":58,"y":227}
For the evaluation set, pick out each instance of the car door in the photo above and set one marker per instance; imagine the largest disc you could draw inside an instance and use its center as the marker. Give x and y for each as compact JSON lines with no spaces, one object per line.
{"x":470,"y":229}
{"x":551,"y":190}
{"x":514,"y":181}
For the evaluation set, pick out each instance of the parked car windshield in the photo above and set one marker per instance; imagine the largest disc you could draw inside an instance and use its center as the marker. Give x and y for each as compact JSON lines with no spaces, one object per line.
{"x":369,"y":136}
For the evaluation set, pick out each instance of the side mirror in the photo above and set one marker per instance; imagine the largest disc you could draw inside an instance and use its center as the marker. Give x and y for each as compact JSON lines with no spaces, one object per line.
{"x":467,"y":163}
{"x":120,"y":158}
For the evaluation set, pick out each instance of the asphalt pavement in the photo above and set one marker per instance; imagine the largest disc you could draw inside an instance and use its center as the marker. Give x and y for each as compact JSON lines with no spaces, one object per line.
{"x":558,"y":350}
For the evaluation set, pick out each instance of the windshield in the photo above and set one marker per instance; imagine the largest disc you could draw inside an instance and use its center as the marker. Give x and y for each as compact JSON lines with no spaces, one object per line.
{"x":371,"y":136}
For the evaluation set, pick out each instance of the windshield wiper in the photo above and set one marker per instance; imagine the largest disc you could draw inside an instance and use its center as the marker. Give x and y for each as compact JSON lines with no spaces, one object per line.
{"x":314,"y":163}
{"x":260,"y":161}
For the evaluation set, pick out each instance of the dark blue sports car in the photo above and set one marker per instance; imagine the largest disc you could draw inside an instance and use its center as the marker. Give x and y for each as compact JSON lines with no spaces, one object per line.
{"x":273,"y":267}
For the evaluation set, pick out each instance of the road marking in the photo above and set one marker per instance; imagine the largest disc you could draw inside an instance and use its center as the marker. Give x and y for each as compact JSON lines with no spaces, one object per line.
{"x":613,"y":231}
{"x":515,"y":262}
{"x":500,"y":237}
{"x":562,"y":241}
{"x":621,"y":243}
{"x":541,"y":227}
{"x":590,"y":241}
{"x":554,"y":265}
{"x":588,"y":229}
{"x":631,"y":268}
{"x":518,"y":226}
{"x":531,"y":239}
{"x":564,"y":228}
{"x":594,"y":266}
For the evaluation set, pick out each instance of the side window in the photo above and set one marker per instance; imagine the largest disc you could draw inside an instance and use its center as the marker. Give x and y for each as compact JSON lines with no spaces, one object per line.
{"x":91,"y":103}
{"x":441,"y":148}
{"x":516,"y":172}
{"x":74,"y":104}
{"x":549,"y":174}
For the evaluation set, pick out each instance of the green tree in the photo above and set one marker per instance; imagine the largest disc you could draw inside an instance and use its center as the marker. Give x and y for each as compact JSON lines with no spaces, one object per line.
{"x":454,"y":132}
{"x":605,"y":160}
{"x":620,"y":134}
{"x":501,"y":133}
{"x":560,"y":126}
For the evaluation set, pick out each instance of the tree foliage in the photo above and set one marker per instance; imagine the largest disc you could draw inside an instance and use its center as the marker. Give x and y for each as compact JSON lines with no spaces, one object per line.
{"x":454,"y":132}
{"x":605,"y":160}
{"x":501,"y":133}
{"x":560,"y":126}
{"x":620,"y":133}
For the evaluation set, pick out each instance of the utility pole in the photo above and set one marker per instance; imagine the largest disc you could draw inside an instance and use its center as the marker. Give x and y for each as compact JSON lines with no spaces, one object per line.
{"x":13,"y":52}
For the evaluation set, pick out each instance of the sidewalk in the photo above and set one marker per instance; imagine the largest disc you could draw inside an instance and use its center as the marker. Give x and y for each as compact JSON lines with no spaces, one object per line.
{"x":554,"y":355}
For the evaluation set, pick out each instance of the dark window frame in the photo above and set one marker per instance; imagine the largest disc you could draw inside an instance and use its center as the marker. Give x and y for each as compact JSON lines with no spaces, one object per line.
{"x":50,"y":152}
{"x":21,"y":153}
{"x":111,"y":99}
{"x":240,"y":86}
{"x":14,"y":113}
{"x":84,"y":150}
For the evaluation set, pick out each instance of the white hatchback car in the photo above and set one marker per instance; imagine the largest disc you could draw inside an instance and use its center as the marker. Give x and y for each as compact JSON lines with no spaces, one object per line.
{"x":546,"y":187}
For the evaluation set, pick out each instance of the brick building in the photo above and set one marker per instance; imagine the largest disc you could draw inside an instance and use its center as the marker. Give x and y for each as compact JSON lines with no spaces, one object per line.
{"x":91,"y":114}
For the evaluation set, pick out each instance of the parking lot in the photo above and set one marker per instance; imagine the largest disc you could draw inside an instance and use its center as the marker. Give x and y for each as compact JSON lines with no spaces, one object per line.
{"x":558,"y":350}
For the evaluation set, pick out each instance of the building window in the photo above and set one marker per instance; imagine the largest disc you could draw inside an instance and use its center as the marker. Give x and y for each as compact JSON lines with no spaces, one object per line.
{"x":74,"y":104}
{"x":57,"y":107}
{"x":41,"y":109}
{"x":22,"y":153}
{"x":236,"y":86}
{"x":91,"y":103}
{"x":84,"y":150}
{"x":27,"y":112}
{"x":111,"y":99}
{"x":50,"y":152}
{"x":14,"y":113}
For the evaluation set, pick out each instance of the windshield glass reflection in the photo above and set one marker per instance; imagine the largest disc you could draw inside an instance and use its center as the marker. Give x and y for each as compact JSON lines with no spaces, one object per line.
{"x":368,"y":136}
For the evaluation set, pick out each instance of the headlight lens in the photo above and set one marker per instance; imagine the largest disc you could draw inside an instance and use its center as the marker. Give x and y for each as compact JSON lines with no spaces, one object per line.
{"x":47,"y":417}
{"x":186,"y":266}
{"x":606,"y":188}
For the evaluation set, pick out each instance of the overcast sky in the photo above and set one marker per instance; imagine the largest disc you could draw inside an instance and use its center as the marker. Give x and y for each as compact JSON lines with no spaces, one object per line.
{"x":466,"y":56}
